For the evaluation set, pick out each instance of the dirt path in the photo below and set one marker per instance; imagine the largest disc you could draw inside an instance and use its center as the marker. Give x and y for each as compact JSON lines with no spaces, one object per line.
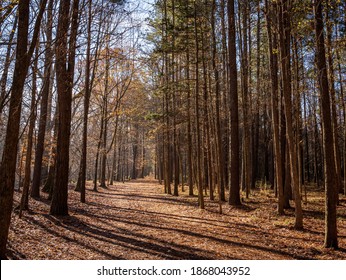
{"x":136,"y":221}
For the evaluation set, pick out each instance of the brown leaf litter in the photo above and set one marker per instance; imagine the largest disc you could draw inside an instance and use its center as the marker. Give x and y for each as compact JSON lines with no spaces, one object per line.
{"x":135,"y":220}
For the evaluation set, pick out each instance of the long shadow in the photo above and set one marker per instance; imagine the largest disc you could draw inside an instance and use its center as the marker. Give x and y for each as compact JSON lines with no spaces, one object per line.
{"x":68,"y":239}
{"x":158,"y":199}
{"x":180,"y":218}
{"x":104,"y":218}
{"x":14,"y":254}
{"x":320,"y":233}
{"x":295,"y":238}
{"x":219,"y":224}
{"x":173,"y":253}
{"x":202,"y":236}
{"x":150,"y":246}
{"x":318,"y":214}
{"x":102,"y":206}
{"x":165,"y":215}
{"x":166,"y":250}
{"x":44,"y":200}
{"x":235,"y":224}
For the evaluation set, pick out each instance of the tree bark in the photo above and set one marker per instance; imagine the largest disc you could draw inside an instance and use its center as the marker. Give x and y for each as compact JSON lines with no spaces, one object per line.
{"x":245,"y":99}
{"x":219,"y":156}
{"x":65,"y":56}
{"x":234,"y":193}
{"x":284,"y":26}
{"x":331,"y":238}
{"x":36,"y":180}
{"x":24,"y":202}
{"x":198,"y":134}
{"x":8,"y":162}
{"x":273,"y":64}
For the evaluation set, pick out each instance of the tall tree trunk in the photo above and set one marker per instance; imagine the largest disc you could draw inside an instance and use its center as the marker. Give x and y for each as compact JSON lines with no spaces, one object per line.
{"x":24,"y":202}
{"x":87,"y":91}
{"x":207,"y":174}
{"x":245,"y":97}
{"x":234,"y":193}
{"x":9,"y":156}
{"x":331,"y":238}
{"x":198,"y":134}
{"x":220,"y":157}
{"x":105,"y":122}
{"x":65,"y":56}
{"x":225,"y":102}
{"x":88,"y":88}
{"x":36,"y":180}
{"x":255,"y":123}
{"x":331,"y":76}
{"x":343,"y":102}
{"x":189,"y":137}
{"x":273,"y":64}
{"x":166,"y":139}
{"x":284,"y":26}
{"x":175,"y":133}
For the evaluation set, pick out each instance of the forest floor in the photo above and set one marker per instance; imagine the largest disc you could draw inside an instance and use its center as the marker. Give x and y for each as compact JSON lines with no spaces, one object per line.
{"x":135,"y":220}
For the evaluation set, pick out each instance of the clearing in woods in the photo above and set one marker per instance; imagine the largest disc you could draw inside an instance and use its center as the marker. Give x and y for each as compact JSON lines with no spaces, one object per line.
{"x":135,"y":220}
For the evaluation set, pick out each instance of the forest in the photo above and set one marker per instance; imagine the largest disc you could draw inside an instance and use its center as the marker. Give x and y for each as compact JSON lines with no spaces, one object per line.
{"x":173,"y":129}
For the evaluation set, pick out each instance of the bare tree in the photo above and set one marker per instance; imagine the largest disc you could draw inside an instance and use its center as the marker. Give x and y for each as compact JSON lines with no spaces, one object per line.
{"x":8,"y":162}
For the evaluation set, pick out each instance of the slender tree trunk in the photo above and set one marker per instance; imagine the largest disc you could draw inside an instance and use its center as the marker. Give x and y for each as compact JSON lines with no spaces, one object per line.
{"x":245,"y":97}
{"x":198,"y":135}
{"x":166,"y":142}
{"x":225,"y":102}
{"x":98,"y":155}
{"x":49,"y":183}
{"x":105,"y":122}
{"x":331,"y":76}
{"x":284,"y":25}
{"x":111,"y":177}
{"x":36,"y":181}
{"x":206,"y":156}
{"x":9,"y":156}
{"x":255,"y":123}
{"x":134,"y":172}
{"x":220,"y":157}
{"x":273,"y":64}
{"x":88,"y":87}
{"x":343,"y":102}
{"x":3,"y":82}
{"x":189,"y":137}
{"x":65,"y":56}
{"x":331,"y":238}
{"x":24,"y":202}
{"x":234,"y":194}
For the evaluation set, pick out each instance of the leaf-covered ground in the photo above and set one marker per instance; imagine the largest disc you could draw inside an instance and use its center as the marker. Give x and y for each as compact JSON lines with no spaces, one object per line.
{"x":135,"y":220}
